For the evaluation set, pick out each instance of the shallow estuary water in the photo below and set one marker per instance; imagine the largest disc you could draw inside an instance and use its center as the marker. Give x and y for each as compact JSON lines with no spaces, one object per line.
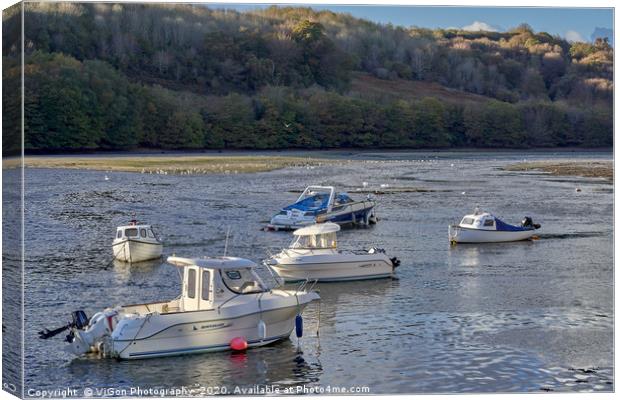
{"x":519,"y":317}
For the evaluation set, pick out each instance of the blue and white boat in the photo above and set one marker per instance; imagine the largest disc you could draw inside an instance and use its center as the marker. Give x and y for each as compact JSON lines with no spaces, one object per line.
{"x":323,"y":204}
{"x":483,"y":227}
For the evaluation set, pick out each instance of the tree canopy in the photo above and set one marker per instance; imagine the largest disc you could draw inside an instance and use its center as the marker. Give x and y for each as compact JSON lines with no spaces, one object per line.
{"x":122,"y":76}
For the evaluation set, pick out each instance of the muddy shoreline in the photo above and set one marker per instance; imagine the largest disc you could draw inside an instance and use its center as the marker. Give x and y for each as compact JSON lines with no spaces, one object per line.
{"x":585,"y":168}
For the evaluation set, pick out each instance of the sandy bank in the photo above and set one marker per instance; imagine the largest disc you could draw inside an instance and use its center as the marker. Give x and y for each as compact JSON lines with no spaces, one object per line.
{"x":175,"y":165}
{"x":585,"y":168}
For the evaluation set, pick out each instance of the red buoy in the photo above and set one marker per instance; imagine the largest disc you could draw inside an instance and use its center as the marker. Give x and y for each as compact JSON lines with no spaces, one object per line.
{"x":238,"y":344}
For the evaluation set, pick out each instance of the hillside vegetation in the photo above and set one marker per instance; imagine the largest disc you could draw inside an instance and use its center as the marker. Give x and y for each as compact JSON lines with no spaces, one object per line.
{"x":123,"y":76}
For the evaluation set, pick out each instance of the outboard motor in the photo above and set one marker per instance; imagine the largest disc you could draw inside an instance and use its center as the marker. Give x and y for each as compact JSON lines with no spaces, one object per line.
{"x":80,"y":320}
{"x":528,"y":223}
{"x":395,"y":262}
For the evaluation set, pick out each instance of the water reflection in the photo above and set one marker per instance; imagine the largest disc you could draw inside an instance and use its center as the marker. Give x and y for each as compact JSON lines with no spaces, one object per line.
{"x":126,"y":272}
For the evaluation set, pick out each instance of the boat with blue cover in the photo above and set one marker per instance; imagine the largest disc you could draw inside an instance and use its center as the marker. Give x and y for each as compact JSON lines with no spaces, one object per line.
{"x":319,"y":204}
{"x":484,"y":227}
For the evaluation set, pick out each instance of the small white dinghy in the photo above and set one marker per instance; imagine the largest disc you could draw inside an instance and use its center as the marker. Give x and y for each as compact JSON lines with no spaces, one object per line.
{"x":313,"y":255}
{"x":223,"y":305}
{"x":136,"y":242}
{"x":483,"y":227}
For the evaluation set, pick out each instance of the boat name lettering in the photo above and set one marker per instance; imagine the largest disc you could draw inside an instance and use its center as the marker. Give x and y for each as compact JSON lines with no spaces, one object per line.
{"x":215,"y":326}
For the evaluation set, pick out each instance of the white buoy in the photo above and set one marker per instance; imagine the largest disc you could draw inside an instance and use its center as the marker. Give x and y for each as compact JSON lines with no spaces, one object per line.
{"x":365,"y":184}
{"x":107,"y":178}
{"x":463,"y":192}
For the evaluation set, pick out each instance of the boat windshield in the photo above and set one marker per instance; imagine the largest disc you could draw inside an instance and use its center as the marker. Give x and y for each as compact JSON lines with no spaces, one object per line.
{"x":131,"y":232}
{"x":322,"y":241}
{"x":243,"y":281}
{"x":467,"y":221}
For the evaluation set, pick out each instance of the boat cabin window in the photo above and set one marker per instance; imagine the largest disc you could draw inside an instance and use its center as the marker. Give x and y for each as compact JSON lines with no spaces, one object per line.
{"x":323,"y":241}
{"x":191,"y":283}
{"x":206,"y":279}
{"x":119,"y":234}
{"x":489,"y":222}
{"x":131,"y":232}
{"x":467,"y":221}
{"x":143,"y":233}
{"x":243,"y":281}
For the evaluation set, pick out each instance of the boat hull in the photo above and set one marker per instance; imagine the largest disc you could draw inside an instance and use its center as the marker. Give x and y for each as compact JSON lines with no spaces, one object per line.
{"x":459,"y":234}
{"x":323,"y":270}
{"x":199,"y":332}
{"x":356,"y":213}
{"x":135,"y":251}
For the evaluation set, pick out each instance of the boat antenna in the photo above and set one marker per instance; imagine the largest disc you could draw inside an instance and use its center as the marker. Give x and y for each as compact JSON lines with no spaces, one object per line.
{"x":226,"y":242}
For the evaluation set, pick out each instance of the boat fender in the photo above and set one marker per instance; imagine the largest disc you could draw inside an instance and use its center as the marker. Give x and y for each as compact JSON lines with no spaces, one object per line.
{"x":238,"y":344}
{"x":262,"y":329}
{"x":299,"y":326}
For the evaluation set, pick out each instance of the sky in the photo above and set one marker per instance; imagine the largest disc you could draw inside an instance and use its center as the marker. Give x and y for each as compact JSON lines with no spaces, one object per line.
{"x":574,"y":24}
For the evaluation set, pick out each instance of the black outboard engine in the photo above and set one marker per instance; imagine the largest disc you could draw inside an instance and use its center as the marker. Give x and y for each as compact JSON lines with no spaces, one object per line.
{"x":528,"y":223}
{"x":80,"y":320}
{"x":395,"y":262}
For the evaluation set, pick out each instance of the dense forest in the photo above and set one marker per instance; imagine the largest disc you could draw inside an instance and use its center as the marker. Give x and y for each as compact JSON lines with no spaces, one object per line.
{"x":126,"y":76}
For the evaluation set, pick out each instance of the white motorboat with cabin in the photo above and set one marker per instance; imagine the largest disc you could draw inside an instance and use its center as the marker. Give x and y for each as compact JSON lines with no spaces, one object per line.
{"x":313,"y":255}
{"x":483,"y":227}
{"x":324,"y":204}
{"x":136,"y":242}
{"x":223,"y":301}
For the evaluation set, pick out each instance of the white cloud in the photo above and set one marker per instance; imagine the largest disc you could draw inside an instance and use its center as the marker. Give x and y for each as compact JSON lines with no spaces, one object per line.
{"x":481,"y":26}
{"x":574,"y":36}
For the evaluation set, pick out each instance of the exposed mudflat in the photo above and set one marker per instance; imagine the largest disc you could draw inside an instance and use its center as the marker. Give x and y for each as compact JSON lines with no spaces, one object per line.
{"x":584,"y":168}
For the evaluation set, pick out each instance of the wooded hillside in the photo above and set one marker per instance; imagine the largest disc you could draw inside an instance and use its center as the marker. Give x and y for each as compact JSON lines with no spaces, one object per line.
{"x":122,"y":76}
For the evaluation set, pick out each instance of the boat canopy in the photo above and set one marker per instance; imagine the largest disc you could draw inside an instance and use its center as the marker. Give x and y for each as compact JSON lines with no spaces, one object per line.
{"x":317,"y":229}
{"x":502,"y":226}
{"x":316,"y":202}
{"x":224,"y":263}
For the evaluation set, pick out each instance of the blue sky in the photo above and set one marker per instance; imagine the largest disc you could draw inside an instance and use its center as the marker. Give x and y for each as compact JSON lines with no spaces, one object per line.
{"x":571,"y":23}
